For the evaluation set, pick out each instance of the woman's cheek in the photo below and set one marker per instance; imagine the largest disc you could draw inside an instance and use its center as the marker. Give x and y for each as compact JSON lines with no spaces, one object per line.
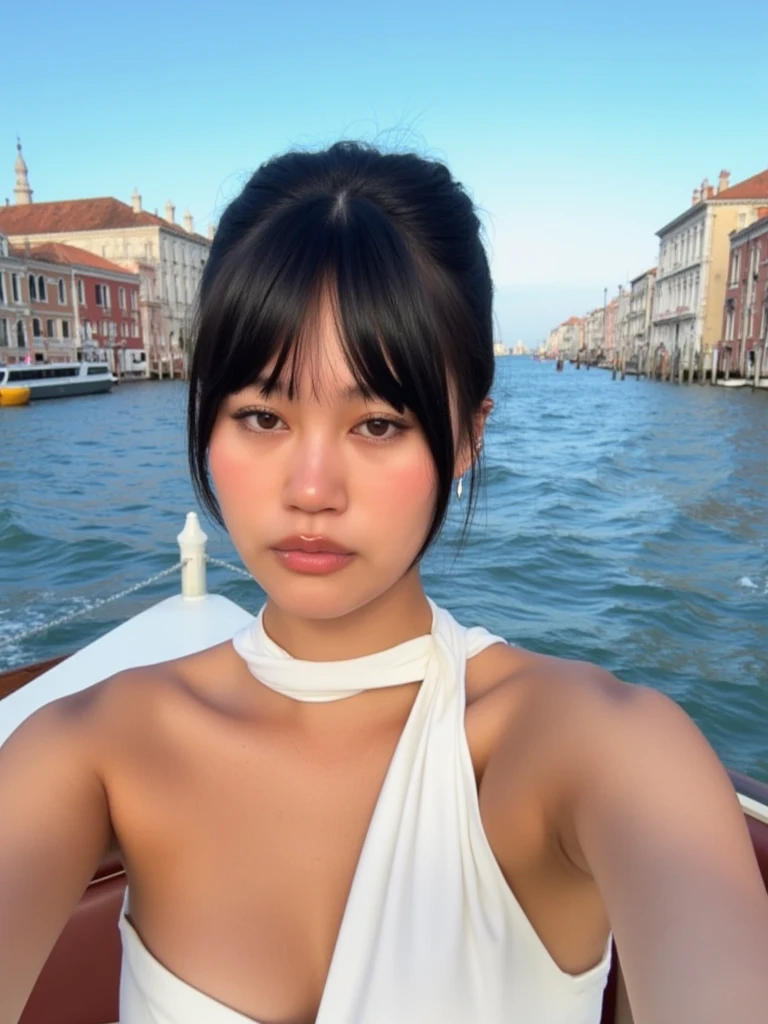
{"x":232,"y":471}
{"x":407,"y":492}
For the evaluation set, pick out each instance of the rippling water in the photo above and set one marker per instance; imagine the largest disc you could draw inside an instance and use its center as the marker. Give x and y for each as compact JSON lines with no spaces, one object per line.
{"x":624,"y":522}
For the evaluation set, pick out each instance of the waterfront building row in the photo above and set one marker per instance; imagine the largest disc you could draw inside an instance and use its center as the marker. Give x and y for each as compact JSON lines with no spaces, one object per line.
{"x":60,"y":303}
{"x":705,"y":304}
{"x":166,"y":257}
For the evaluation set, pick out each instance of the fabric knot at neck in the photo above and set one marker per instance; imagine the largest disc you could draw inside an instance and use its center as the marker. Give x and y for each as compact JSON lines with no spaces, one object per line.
{"x":322,"y":681}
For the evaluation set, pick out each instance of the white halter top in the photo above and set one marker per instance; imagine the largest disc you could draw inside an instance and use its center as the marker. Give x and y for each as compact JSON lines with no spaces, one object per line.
{"x":431,"y":933}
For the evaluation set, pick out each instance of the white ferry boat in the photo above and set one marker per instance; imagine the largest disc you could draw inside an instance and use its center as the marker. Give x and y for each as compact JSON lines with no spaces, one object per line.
{"x":58,"y":380}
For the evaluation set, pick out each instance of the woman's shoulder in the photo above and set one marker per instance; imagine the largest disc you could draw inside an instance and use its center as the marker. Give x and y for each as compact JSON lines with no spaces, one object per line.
{"x":135,"y":701}
{"x":569,"y":725}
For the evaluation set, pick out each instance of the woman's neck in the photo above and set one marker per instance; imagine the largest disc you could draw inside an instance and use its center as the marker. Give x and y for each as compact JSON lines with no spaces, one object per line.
{"x":402,"y":613}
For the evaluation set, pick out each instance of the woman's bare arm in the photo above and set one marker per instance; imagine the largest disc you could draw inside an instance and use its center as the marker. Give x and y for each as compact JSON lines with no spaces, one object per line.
{"x":54,"y":830}
{"x":660,"y":828}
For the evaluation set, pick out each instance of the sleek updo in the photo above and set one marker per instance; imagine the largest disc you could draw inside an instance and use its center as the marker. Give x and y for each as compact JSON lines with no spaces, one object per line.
{"x":397,"y":243}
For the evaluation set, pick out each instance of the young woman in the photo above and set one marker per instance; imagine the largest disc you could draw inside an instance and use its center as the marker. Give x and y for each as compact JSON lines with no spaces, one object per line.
{"x":360,"y":811}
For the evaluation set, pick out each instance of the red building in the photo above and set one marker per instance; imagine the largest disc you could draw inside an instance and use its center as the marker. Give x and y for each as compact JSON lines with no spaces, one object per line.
{"x":745,"y":314}
{"x":105,"y":299}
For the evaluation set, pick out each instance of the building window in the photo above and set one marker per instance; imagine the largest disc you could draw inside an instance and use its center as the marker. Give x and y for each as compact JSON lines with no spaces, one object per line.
{"x":41,"y":288}
{"x":80,"y":292}
{"x":36,"y":332}
{"x":32,"y":288}
{"x":134,"y":299}
{"x":729,"y":318}
{"x":3,"y":332}
{"x":2,"y":287}
{"x":102,"y":296}
{"x":735,"y":261}
{"x":21,"y":338}
{"x":65,"y":328}
{"x":121,"y":297}
{"x":15,"y":288}
{"x":62,"y":293}
{"x":50,"y":328}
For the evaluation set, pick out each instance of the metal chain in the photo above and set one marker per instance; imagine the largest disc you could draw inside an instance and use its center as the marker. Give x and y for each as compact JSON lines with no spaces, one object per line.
{"x":20,"y":635}
{"x":226,"y":565}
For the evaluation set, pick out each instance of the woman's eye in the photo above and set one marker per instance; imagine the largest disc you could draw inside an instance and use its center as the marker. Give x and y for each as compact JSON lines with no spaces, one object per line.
{"x":380,"y":429}
{"x":259,"y":420}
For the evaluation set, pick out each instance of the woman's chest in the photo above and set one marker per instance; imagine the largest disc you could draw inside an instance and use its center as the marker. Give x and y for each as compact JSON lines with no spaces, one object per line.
{"x":241,"y":854}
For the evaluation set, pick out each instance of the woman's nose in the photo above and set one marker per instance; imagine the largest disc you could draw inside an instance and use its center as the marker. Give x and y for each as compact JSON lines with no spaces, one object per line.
{"x":315,"y":479}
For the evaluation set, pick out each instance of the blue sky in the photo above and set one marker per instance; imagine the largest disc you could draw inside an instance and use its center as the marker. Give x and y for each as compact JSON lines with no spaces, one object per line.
{"x":579,"y":129}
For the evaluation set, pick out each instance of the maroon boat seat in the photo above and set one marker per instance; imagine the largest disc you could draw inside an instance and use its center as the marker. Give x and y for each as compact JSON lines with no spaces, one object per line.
{"x":80,"y":981}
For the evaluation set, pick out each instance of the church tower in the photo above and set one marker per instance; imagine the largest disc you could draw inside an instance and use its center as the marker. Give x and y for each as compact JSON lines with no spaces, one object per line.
{"x":22,"y":192}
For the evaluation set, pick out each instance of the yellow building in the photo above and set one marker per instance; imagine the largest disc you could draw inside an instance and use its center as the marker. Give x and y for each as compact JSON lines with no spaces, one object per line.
{"x":694,"y":252}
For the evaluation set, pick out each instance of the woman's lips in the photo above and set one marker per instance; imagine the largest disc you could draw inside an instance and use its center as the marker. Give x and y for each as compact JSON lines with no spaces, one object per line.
{"x":315,"y":556}
{"x":313,"y":563}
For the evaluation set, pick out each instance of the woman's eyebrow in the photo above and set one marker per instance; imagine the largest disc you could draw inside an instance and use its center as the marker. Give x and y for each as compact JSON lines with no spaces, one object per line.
{"x":353,"y":392}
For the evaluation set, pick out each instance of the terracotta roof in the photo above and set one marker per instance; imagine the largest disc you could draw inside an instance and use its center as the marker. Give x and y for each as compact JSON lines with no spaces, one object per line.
{"x":755,"y":187}
{"x":82,"y":215}
{"x":71,"y":256}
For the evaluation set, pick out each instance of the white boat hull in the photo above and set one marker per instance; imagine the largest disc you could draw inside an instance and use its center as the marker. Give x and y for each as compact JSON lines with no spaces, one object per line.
{"x":170,"y":629}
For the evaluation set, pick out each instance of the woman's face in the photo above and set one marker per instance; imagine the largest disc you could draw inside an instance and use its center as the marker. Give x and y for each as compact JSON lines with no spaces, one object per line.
{"x":300,"y":480}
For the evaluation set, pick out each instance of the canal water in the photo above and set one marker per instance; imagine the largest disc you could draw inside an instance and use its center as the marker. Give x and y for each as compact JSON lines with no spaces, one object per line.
{"x":623,"y":522}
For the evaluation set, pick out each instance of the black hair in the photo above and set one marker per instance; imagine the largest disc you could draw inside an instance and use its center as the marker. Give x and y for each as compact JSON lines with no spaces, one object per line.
{"x":397,"y":242}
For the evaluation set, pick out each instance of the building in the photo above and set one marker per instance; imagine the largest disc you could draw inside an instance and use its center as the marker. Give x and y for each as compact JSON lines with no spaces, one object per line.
{"x":745,"y":313}
{"x":168,"y":257}
{"x":105,"y":307}
{"x":694,"y":252}
{"x":611,"y":318}
{"x":15,"y":313}
{"x":566,"y":340}
{"x":60,"y":304}
{"x":53,"y":336}
{"x":594,"y":335}
{"x":623,"y":349}
{"x":640,"y":318}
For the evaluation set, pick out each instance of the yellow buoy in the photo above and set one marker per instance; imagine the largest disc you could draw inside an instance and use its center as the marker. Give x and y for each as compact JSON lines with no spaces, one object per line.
{"x":14,"y":396}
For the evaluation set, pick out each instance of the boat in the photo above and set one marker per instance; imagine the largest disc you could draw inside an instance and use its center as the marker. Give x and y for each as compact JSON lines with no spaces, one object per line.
{"x":559,"y":366}
{"x":79,"y":983}
{"x":58,"y":380}
{"x":14,"y":395}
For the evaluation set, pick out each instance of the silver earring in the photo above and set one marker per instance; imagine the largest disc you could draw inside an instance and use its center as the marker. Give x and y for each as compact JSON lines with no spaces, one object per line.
{"x":460,"y":487}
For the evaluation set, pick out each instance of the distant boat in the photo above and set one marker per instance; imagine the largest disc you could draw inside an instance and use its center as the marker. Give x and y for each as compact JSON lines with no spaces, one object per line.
{"x":559,"y":366}
{"x":58,"y":380}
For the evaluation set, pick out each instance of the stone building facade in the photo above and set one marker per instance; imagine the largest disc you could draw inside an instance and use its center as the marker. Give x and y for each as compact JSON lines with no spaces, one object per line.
{"x":693,"y":264}
{"x":640,"y":319}
{"x":167,"y":257}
